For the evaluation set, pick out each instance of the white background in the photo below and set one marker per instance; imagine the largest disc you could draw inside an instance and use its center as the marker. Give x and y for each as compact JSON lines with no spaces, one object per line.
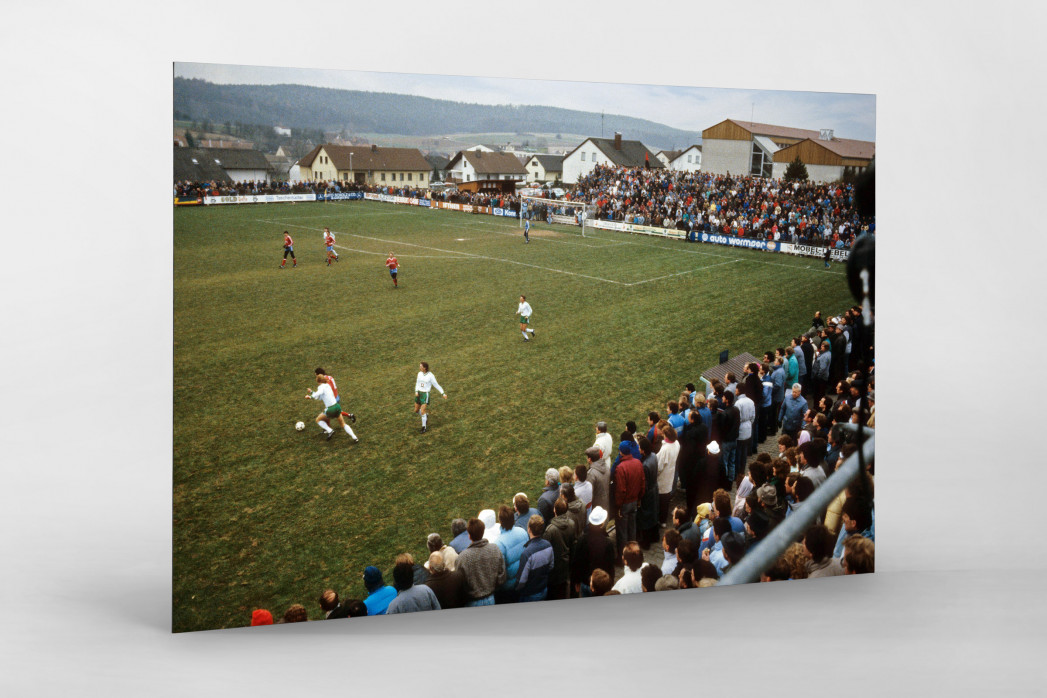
{"x":86,"y":343}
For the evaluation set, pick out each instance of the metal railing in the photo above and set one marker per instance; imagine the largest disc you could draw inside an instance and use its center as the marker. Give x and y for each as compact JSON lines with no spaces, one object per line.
{"x":792,"y":529}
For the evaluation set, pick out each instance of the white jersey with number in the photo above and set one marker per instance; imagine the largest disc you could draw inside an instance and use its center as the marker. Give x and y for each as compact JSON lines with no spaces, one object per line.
{"x":524,"y":310}
{"x":324,"y":393}
{"x":426,"y":382}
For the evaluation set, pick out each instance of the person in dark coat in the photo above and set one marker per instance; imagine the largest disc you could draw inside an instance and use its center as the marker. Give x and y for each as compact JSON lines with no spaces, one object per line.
{"x":647,"y":518}
{"x":592,"y":551}
{"x":691,"y":461}
{"x":448,"y":586}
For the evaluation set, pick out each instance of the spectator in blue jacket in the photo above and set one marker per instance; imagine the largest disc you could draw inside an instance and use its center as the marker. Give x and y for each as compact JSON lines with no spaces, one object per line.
{"x":379,"y":594}
{"x":523,"y":510}
{"x":510,"y":541}
{"x":536,"y":563}
{"x":549,"y":494}
{"x":792,"y":411}
{"x":459,"y":536}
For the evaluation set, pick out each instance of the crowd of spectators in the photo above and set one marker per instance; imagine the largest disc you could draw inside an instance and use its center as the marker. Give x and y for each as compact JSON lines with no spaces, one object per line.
{"x":738,"y":205}
{"x":694,"y":487}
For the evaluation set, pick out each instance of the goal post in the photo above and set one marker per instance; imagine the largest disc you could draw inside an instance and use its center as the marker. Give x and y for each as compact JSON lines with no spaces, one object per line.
{"x":535,"y":208}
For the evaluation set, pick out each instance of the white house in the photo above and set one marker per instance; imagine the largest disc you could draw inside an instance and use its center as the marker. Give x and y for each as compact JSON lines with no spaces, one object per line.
{"x":687,"y":160}
{"x":544,"y":168}
{"x":474,"y":165}
{"x":605,"y":151}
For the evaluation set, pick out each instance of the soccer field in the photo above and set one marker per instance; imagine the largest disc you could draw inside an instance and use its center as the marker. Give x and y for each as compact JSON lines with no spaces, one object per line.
{"x":265,"y":516}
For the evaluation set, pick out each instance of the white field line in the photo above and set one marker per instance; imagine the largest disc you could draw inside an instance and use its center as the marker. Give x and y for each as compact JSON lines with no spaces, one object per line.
{"x":405,"y":256}
{"x":679,"y":273}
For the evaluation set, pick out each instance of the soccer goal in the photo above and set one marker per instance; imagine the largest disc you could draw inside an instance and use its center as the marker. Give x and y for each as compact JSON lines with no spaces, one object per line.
{"x":535,"y":208}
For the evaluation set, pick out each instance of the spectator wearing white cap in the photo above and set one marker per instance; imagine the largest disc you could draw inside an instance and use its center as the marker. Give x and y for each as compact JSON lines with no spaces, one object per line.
{"x":593,"y":550}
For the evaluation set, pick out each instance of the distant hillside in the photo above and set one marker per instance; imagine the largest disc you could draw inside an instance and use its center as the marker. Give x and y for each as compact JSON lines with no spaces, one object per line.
{"x":300,"y":106}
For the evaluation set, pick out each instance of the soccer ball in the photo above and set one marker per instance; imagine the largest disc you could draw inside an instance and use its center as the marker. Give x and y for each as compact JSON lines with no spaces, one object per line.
{"x":300,"y":426}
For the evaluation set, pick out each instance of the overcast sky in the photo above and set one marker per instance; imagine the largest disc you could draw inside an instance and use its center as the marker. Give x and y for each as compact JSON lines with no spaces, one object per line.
{"x":688,"y":108}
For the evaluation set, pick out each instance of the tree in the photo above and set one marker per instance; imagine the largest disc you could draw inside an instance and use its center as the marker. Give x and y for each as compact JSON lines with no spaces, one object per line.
{"x":796,"y":171}
{"x":189,"y":142}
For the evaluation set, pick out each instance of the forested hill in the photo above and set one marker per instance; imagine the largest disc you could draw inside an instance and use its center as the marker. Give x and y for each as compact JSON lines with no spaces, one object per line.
{"x":300,"y":106}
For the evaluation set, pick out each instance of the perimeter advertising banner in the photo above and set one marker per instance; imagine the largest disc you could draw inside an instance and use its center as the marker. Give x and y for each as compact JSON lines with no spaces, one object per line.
{"x":258,"y":199}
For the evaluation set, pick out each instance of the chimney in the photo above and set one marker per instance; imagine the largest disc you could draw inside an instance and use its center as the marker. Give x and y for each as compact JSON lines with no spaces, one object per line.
{"x":826,"y":134}
{"x":617,"y":140}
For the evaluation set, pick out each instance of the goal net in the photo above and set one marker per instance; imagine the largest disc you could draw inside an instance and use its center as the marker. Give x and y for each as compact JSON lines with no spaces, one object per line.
{"x":535,"y":208}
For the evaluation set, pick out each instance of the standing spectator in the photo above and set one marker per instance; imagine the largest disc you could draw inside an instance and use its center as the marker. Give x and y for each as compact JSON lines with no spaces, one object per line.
{"x":593,"y":550}
{"x":523,"y":511}
{"x":629,"y":487}
{"x":734,"y":548}
{"x":674,"y":418}
{"x":448,"y":585}
{"x":701,"y":405}
{"x":549,"y":495}
{"x":754,"y":389}
{"x":647,"y":515}
{"x":683,"y":523}
{"x":379,"y":594}
{"x":670,"y":541}
{"x":792,"y":411}
{"x":792,"y":366}
{"x":859,"y":555}
{"x":599,"y":474}
{"x":746,"y":416}
{"x":777,"y":392}
{"x":838,"y":363}
{"x":820,"y":371}
{"x":765,"y":407}
{"x":583,"y":489}
{"x":667,"y":458}
{"x":436,"y":544}
{"x":482,"y":565}
{"x":649,"y":576}
{"x":605,"y":444}
{"x":630,"y":583}
{"x":818,"y":542}
{"x":652,"y":420}
{"x":459,"y":536}
{"x":690,"y":462}
{"x":729,"y":421}
{"x":536,"y":563}
{"x":808,"y":355}
{"x":331,"y":606}
{"x":600,"y":583}
{"x":575,"y":508}
{"x":295,"y":613}
{"x":561,"y":534}
{"x":411,"y":597}
{"x":510,"y":542}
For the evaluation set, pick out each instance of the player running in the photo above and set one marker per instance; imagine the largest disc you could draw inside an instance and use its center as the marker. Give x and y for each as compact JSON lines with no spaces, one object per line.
{"x":329,"y":246}
{"x":334,"y":389}
{"x":422,"y":386}
{"x":527,"y":230}
{"x":332,"y":407}
{"x":288,"y":250}
{"x":393,"y":266}
{"x":524,"y":311}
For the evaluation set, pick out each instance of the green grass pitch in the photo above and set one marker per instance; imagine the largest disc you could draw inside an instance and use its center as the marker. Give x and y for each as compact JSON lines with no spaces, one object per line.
{"x":265,"y":516}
